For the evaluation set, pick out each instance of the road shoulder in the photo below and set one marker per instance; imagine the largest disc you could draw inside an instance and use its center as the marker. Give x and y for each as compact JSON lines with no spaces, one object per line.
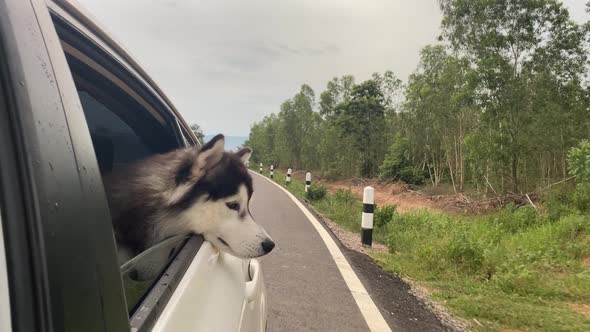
{"x":392,"y":296}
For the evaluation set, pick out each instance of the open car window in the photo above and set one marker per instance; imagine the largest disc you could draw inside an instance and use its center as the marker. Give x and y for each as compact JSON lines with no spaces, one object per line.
{"x":127,"y":124}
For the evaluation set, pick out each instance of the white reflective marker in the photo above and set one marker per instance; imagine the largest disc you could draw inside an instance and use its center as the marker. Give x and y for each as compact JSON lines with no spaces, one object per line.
{"x":367,"y":216}
{"x":289,"y":175}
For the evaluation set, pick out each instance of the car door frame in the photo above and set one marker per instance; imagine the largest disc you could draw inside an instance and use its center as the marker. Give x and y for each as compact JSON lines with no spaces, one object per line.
{"x":63,"y":272}
{"x":48,"y":149}
{"x":156,"y":302}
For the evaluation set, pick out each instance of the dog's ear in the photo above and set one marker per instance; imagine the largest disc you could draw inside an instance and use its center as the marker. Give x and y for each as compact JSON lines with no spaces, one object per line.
{"x":209,"y":155}
{"x":193,"y":167}
{"x":244,"y":154}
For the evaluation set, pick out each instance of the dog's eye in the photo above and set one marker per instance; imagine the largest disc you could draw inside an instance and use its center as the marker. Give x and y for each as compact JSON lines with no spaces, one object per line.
{"x":233,"y":205}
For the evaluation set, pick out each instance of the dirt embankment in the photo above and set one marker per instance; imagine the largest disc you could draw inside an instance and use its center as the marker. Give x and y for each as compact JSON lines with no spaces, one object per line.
{"x":407,"y":198}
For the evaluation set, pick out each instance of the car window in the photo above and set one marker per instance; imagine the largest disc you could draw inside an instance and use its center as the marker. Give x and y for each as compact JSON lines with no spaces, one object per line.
{"x":125,"y":125}
{"x":120,"y":138}
{"x":105,"y":124}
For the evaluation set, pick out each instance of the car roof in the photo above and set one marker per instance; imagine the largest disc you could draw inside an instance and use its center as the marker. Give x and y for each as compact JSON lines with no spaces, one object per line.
{"x":80,"y":17}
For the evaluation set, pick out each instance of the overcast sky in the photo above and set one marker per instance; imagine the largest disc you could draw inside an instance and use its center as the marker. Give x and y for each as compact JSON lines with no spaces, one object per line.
{"x":226,"y":64}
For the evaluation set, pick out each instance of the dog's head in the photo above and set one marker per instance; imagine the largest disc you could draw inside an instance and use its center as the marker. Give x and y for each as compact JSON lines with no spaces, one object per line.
{"x":212,"y":196}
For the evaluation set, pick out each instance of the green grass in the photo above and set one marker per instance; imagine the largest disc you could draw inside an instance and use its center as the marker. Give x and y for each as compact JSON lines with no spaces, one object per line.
{"x":343,"y":210}
{"x":512,"y":269}
{"x":517,"y":268}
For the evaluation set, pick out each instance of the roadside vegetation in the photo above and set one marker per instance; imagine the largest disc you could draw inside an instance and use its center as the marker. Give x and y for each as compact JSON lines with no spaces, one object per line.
{"x":493,"y":108}
{"x":520,"y":268}
{"x":500,"y":108}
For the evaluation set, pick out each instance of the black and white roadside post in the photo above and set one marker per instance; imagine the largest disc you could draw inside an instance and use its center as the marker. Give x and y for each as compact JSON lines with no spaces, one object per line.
{"x":288,"y":179}
{"x":367,"y":218}
{"x":260,"y":168}
{"x":272,"y":171}
{"x":307,"y":181}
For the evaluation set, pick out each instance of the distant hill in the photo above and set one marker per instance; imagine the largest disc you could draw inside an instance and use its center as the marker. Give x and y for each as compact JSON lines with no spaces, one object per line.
{"x":232,"y":143}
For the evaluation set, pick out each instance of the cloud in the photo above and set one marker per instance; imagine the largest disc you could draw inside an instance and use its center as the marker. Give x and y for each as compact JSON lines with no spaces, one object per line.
{"x":226,"y":64}
{"x":287,"y":49}
{"x":325,"y":49}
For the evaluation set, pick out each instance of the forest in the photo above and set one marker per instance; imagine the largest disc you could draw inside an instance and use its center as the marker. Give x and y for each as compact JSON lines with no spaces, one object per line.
{"x":498,"y":105}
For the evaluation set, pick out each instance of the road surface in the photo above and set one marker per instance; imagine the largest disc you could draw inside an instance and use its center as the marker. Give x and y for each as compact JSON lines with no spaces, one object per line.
{"x":306,"y":290}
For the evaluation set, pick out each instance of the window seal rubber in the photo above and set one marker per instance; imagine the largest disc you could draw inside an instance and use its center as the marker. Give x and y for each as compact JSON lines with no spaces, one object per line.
{"x":147,"y":313}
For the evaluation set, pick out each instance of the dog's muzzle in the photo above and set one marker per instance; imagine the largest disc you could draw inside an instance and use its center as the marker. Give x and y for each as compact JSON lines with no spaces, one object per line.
{"x":267,"y":245}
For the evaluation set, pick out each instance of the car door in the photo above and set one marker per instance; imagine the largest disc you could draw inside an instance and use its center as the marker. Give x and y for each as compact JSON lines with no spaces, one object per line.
{"x":78,"y":115}
{"x":61,"y":261}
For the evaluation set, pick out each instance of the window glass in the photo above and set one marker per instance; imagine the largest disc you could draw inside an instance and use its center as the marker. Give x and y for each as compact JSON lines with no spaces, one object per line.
{"x":104,"y":124}
{"x":125,"y":128}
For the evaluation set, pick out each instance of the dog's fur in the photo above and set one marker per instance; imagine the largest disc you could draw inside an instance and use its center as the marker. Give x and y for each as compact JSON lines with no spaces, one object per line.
{"x":205,"y":191}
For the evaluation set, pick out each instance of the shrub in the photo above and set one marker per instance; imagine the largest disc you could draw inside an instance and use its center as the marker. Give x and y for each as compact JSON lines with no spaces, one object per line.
{"x":316,"y":192}
{"x":344,"y":196}
{"x":331,"y":174}
{"x":514,"y":219}
{"x":557,"y":203}
{"x":465,"y":252}
{"x":581,"y":198}
{"x":384,"y":215}
{"x":410,"y":175}
{"x":397,"y":166}
{"x":395,"y":159}
{"x":578,"y":160}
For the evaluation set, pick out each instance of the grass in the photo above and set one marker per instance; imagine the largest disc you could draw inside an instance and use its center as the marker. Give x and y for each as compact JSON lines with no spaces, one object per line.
{"x":344,"y":209}
{"x":512,"y":269}
{"x":517,"y":268}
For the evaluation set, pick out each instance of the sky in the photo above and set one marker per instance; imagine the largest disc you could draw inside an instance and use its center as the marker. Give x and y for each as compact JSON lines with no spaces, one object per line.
{"x":226,"y":64}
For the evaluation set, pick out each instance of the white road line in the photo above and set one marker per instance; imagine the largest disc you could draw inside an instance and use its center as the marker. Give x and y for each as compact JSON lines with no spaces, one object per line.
{"x":368,"y":309}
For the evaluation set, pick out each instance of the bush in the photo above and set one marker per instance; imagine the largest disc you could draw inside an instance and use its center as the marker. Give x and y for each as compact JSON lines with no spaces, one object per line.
{"x":397,"y":166}
{"x":331,"y":174}
{"x":578,"y":160}
{"x":344,"y":196}
{"x":558,"y":203}
{"x":514,"y":219}
{"x":395,"y":159}
{"x":463,"y":251}
{"x":581,"y":198}
{"x":410,"y":175}
{"x":316,"y":192}
{"x":384,"y":215}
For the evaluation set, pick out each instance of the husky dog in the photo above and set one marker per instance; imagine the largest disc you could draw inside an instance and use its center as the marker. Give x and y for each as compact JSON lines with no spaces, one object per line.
{"x":205,"y":191}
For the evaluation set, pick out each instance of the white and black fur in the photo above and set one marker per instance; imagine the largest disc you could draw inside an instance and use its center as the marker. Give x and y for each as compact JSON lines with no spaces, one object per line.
{"x":205,"y":191}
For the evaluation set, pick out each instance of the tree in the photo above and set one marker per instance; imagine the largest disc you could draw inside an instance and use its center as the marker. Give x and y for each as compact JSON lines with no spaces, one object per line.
{"x":509,"y":43}
{"x":262,"y":140}
{"x":362,"y":119}
{"x":338,"y":90}
{"x":437,"y":114}
{"x":345,"y":162}
{"x":198,"y":132}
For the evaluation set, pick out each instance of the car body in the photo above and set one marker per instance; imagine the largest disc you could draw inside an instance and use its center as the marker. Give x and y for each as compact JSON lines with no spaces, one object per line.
{"x":72,"y":104}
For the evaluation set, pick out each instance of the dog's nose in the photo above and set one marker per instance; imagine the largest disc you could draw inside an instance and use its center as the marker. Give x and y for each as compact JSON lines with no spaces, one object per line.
{"x":267,"y":245}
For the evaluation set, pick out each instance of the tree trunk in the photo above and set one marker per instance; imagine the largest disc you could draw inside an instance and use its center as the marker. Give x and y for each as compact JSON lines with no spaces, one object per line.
{"x":451,"y":174}
{"x":514,"y":172}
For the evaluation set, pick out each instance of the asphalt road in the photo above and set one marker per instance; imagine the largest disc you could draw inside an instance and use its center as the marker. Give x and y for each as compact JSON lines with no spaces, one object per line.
{"x":306,"y":291}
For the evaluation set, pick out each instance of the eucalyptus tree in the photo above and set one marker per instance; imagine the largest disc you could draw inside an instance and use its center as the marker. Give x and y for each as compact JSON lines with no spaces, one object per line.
{"x":509,"y":44}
